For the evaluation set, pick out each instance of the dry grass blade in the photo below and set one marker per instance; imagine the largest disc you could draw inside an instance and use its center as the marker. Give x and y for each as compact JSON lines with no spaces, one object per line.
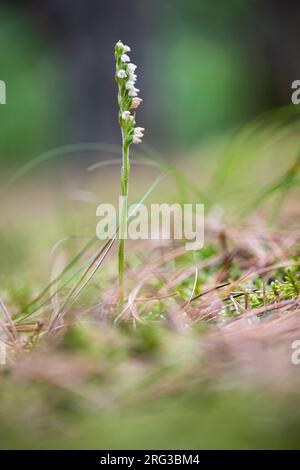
{"x":97,"y":261}
{"x":11,"y":332}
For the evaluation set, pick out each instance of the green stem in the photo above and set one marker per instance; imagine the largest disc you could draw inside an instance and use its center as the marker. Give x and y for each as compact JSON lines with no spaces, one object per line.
{"x":123,"y":224}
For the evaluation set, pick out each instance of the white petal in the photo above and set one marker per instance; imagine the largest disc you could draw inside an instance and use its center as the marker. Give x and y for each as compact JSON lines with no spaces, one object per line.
{"x":132,"y":93}
{"x":125,"y":58}
{"x":121,"y":74}
{"x":126,"y":115}
{"x":132,"y":76}
{"x":139,"y":136}
{"x":129,"y":85}
{"x":131,"y":67}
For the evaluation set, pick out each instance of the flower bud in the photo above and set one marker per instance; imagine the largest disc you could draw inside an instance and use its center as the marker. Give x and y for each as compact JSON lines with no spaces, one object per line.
{"x":120,"y":45}
{"x":135,"y":103}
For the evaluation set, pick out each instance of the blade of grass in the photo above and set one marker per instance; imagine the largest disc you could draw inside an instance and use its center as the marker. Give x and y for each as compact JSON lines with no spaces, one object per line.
{"x":78,"y":256}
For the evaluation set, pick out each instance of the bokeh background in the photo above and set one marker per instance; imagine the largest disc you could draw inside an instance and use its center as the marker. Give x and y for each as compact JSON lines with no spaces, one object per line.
{"x":216,"y":79}
{"x":205,"y":67}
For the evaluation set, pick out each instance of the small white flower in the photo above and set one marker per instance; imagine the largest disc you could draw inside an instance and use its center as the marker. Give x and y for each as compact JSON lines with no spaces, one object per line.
{"x":132,"y":92}
{"x":121,"y":74}
{"x":135,"y":103}
{"x":120,"y":45}
{"x":125,"y":58}
{"x":138,"y":134}
{"x":131,"y":68}
{"x":129,"y":85}
{"x":126,"y":115}
{"x":132,"y":76}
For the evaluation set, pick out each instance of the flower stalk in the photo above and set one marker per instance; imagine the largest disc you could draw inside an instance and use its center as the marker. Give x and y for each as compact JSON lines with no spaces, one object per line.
{"x":127,"y":100}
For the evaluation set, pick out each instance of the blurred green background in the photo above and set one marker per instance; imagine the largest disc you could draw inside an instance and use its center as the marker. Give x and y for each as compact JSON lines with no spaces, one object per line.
{"x":205,"y":67}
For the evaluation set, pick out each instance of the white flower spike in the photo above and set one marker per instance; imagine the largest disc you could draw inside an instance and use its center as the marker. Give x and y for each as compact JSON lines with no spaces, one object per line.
{"x":128,"y":94}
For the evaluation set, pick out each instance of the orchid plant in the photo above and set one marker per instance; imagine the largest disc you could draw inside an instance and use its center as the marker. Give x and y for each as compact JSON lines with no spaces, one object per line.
{"x":128,"y":101}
